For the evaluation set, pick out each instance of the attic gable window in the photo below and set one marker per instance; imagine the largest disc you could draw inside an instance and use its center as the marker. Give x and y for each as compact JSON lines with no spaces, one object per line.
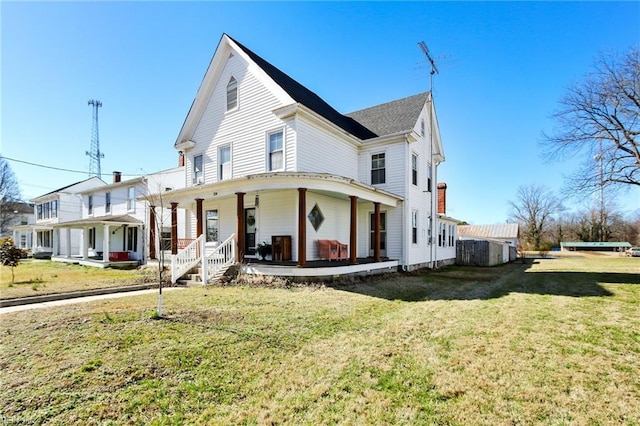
{"x":232,"y":94}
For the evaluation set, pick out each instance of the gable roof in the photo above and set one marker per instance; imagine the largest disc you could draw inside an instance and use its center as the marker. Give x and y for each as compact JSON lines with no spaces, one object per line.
{"x":392,"y":117}
{"x":72,"y":185}
{"x":503,"y":230}
{"x":307,"y":98}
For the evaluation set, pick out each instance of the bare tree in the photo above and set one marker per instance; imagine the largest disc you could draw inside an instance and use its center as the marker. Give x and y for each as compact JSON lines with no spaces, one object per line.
{"x":599,"y":119}
{"x":9,"y":197}
{"x":533,"y":209}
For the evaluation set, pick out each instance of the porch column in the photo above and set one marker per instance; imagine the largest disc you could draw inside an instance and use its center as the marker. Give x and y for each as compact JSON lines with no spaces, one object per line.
{"x":376,"y":232}
{"x":240,"y":226}
{"x":34,"y":240}
{"x":152,"y":232}
{"x":174,"y":228}
{"x":55,"y":249}
{"x":302,"y":227}
{"x":85,"y":244}
{"x":105,"y":243}
{"x":68,"y":235}
{"x":199,"y":222}
{"x":353,"y":231}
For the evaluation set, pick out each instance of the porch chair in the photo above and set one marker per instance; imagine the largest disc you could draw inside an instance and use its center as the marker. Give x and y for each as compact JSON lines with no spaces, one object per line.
{"x":328,"y":250}
{"x":343,"y":250}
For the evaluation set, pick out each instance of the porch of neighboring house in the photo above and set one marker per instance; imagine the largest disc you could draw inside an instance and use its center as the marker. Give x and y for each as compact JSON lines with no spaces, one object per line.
{"x":119,"y":237}
{"x":352,"y":204}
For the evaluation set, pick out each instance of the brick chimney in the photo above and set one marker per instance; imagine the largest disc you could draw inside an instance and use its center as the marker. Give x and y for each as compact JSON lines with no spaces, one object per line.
{"x":442,"y":198}
{"x":117,"y":177}
{"x":180,"y":159}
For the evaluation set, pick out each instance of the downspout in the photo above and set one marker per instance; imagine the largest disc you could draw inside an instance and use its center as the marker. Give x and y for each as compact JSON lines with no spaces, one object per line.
{"x":405,"y":213}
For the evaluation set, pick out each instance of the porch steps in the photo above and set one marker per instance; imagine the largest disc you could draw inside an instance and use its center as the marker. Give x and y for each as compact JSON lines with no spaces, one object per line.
{"x":193,"y":278}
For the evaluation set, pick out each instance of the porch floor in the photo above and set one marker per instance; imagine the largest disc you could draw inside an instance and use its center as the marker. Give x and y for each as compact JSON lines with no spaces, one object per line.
{"x":322,"y":269}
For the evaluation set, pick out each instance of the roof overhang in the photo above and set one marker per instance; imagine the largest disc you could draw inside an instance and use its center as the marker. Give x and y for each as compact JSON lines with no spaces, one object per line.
{"x":321,"y":182}
{"x":101,"y":220}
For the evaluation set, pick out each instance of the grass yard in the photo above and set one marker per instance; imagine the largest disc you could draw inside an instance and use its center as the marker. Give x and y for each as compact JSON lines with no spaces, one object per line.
{"x":38,"y":277}
{"x":553,"y":341}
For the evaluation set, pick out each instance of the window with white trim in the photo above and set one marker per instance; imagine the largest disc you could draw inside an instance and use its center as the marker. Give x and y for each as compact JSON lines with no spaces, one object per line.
{"x":414,"y":226}
{"x":414,"y":169}
{"x":107,"y":202}
{"x":131,"y":198}
{"x":378,"y":169}
{"x":232,"y":94}
{"x":224,"y":162}
{"x":90,"y":204}
{"x":276,"y":152}
{"x":429,"y":177}
{"x":198,"y":171}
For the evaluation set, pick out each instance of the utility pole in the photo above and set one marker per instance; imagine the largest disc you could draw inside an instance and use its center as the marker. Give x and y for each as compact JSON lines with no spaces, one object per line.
{"x":433,"y":220}
{"x":94,"y":154}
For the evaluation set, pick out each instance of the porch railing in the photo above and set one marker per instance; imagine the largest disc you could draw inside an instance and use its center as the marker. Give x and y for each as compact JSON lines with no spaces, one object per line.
{"x":186,"y":258}
{"x":217,"y":263}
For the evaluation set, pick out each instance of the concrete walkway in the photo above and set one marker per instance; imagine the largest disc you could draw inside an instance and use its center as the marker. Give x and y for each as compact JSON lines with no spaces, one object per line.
{"x":61,"y":302}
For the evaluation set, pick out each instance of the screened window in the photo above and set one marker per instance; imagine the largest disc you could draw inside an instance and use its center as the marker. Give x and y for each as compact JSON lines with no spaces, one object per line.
{"x":414,"y":169}
{"x":377,"y":169}
{"x":276,"y":155}
{"x":429,"y":178}
{"x":198,"y":172}
{"x":224,"y":159}
{"x":131,"y":199}
{"x":90,"y":204}
{"x":107,"y":202}
{"x":232,"y":94}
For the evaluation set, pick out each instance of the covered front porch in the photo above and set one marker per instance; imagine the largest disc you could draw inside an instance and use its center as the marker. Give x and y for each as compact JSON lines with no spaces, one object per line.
{"x":292,"y":213}
{"x":107,"y":241}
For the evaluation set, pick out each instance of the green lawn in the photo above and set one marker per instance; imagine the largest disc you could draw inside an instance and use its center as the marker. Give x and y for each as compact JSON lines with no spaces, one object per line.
{"x":36,"y":277}
{"x":555,"y":341}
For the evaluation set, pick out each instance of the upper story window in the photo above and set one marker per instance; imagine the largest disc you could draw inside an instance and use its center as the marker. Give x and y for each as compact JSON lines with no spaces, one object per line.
{"x":276,"y":155}
{"x":224,"y":160}
{"x":198,"y":171}
{"x":107,"y":202}
{"x":422,"y":127}
{"x":90,"y":204}
{"x":232,"y":94}
{"x":48,"y":210}
{"x":429,"y":178}
{"x":131,"y":198}
{"x":377,"y":169}
{"x":414,"y":169}
{"x":414,"y":226}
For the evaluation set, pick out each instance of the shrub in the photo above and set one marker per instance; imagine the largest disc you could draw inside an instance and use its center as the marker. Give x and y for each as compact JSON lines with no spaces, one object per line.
{"x":10,"y":255}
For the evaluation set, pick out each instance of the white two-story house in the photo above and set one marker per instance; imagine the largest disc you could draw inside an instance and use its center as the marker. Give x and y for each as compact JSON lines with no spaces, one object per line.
{"x":267,"y":160}
{"x":50,"y":209}
{"x":113,"y":229}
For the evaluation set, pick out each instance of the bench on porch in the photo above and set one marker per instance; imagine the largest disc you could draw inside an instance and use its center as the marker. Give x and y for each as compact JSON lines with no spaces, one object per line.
{"x":332,"y":250}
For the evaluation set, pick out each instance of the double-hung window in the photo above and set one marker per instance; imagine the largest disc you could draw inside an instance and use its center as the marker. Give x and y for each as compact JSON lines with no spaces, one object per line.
{"x":276,"y":154}
{"x":198,"y":172}
{"x":131,"y":198}
{"x":377,"y":169}
{"x":429,"y":177}
{"x":414,"y":227}
{"x":232,"y":94}
{"x":107,"y":202}
{"x":224,"y":160}
{"x":414,"y":169}
{"x":90,"y":204}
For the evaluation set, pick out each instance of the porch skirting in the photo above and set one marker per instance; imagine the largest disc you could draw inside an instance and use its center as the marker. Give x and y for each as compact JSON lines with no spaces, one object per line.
{"x":310,"y":271}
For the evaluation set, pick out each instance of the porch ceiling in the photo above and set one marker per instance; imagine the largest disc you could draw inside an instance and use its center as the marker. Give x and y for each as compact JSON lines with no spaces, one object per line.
{"x":336,"y":186}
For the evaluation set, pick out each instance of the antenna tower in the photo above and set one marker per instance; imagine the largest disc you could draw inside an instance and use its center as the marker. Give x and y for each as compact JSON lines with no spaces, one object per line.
{"x":94,"y":154}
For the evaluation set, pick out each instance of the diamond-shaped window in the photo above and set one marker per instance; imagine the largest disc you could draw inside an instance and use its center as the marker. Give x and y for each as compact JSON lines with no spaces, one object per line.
{"x":316,"y":217}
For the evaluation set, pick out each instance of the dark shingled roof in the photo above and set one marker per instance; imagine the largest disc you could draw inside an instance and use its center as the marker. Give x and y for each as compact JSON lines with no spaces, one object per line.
{"x":392,"y":117}
{"x":309,"y":99}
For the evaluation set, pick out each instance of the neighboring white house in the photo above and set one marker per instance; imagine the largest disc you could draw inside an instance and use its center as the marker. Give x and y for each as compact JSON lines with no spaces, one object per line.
{"x":113,"y":228}
{"x":267,"y":160}
{"x":21,"y":222}
{"x":61,"y":205}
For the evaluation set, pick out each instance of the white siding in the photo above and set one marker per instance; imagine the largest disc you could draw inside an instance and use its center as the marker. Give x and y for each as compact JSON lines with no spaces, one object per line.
{"x":244,"y":128}
{"x":336,"y":214}
{"x":321,"y":152}
{"x":395,"y":164}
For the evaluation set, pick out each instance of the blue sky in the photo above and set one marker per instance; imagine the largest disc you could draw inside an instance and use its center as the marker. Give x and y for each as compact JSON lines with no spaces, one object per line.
{"x":503,"y":66}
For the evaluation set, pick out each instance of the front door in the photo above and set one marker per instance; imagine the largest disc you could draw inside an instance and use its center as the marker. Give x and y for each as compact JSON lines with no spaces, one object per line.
{"x":383,"y":233}
{"x":250,"y":231}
